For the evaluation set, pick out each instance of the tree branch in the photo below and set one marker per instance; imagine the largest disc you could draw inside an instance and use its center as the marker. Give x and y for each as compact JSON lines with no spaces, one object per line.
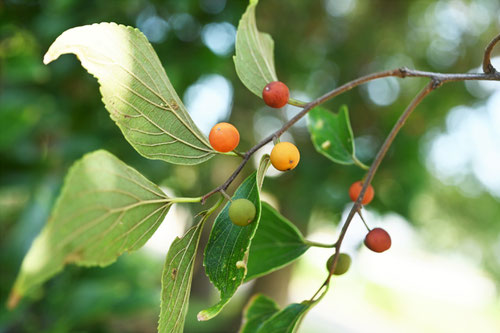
{"x":376,"y":163}
{"x":437,"y":78}
{"x":400,"y":72}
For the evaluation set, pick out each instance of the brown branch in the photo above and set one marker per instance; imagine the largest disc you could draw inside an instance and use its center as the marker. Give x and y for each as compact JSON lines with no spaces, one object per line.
{"x":487,"y":66}
{"x":435,"y":83}
{"x":291,"y":122}
{"x":400,"y":72}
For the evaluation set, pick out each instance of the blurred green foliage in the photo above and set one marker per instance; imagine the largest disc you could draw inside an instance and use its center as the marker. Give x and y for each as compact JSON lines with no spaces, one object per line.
{"x":50,"y":116}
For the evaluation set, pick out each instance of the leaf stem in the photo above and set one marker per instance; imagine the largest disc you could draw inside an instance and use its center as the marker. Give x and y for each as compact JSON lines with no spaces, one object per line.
{"x":184,"y":200}
{"x":296,"y":102}
{"x":359,"y":163}
{"x":225,"y":195}
{"x":238,"y":154}
{"x":316,"y":244}
{"x":215,"y":206}
{"x":363,"y":219}
{"x":231,"y":153}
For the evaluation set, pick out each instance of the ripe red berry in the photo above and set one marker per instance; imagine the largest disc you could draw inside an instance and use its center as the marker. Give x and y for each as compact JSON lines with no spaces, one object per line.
{"x":355,"y":190}
{"x":276,"y":94}
{"x":378,"y":240}
{"x":224,"y":137}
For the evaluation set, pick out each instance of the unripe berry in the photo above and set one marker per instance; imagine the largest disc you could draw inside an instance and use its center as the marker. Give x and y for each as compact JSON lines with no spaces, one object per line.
{"x":276,"y":94}
{"x":285,"y":156}
{"x":242,"y":212}
{"x":224,"y":137}
{"x":355,"y":190}
{"x":378,"y":240}
{"x":343,"y":264}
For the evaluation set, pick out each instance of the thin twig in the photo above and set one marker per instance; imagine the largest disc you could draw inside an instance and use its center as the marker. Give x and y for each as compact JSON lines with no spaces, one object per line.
{"x":487,"y":66}
{"x":373,"y":168}
{"x":363,"y":219}
{"x":400,"y":72}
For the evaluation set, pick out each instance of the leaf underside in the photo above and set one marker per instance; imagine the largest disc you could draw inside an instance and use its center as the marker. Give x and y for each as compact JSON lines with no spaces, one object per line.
{"x":176,"y":280}
{"x":254,"y":59}
{"x":105,"y":208}
{"x":332,"y":135}
{"x":136,"y":91}
{"x":226,"y":253}
{"x":275,"y":235}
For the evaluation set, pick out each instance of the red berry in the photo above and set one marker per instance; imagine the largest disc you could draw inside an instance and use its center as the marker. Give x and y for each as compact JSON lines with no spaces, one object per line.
{"x":276,"y":94}
{"x":378,"y":240}
{"x":355,"y":190}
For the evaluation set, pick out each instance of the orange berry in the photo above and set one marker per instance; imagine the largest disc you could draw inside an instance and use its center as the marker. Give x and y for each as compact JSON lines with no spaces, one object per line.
{"x":378,"y":240}
{"x":224,"y":137}
{"x":285,"y":156}
{"x":355,"y":190}
{"x":276,"y":94}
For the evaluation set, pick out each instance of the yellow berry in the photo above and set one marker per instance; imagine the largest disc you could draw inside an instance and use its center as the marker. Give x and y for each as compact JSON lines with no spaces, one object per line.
{"x":285,"y":156}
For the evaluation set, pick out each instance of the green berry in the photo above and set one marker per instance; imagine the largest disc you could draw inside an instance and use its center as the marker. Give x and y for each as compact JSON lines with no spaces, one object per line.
{"x":242,"y":212}
{"x":343,"y":264}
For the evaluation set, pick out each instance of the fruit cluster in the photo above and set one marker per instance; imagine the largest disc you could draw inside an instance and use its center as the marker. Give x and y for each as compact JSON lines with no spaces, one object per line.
{"x":377,"y":239}
{"x":285,"y":156}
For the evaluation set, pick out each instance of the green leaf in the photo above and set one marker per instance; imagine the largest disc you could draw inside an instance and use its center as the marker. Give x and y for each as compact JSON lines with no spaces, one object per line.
{"x":332,"y":135}
{"x":226,"y":253}
{"x":254,"y":59}
{"x":286,"y":320}
{"x":176,"y":279}
{"x":262,"y":315}
{"x":136,"y":91}
{"x":275,"y":235}
{"x":258,"y":310}
{"x":105,"y":208}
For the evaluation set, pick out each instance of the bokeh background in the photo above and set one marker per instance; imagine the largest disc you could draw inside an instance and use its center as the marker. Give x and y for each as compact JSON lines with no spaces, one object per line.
{"x":437,"y":192}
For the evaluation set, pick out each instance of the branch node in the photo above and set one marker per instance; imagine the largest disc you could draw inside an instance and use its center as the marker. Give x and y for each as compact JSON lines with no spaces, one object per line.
{"x":436,"y":83}
{"x":491,"y":69}
{"x":403,"y":71}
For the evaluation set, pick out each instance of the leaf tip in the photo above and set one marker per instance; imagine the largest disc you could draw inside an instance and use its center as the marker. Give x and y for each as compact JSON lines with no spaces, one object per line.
{"x":203,"y":316}
{"x":48,"y":58}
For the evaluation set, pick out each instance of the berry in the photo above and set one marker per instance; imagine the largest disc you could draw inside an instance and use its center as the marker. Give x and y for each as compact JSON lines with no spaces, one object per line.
{"x":276,"y":94}
{"x":224,"y":137}
{"x":343,"y":264}
{"x":378,"y":240}
{"x":355,"y":190}
{"x":285,"y":156}
{"x":242,"y":212}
